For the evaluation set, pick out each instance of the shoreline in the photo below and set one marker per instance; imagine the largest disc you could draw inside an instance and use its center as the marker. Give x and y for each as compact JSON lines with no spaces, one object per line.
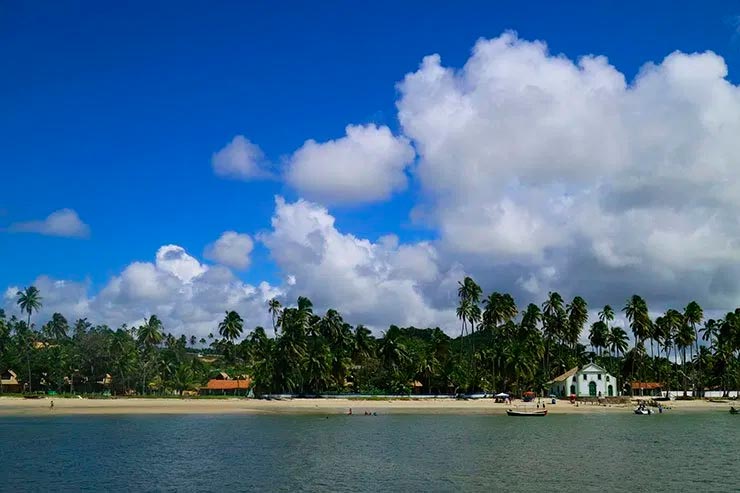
{"x":17,"y":406}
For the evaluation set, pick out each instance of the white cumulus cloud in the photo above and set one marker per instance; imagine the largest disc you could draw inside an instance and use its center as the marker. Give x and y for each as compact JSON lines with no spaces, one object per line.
{"x":64,"y":222}
{"x":530,"y":160}
{"x":374,"y":283}
{"x":240,"y":159}
{"x":188,"y":296}
{"x":366,"y":165}
{"x":232,"y":249}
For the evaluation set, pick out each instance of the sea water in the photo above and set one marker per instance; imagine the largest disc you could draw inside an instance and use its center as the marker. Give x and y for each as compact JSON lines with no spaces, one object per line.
{"x":610,"y":452}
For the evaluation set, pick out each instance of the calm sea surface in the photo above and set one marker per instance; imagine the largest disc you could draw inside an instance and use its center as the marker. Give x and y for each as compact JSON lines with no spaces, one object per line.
{"x":670,"y":452}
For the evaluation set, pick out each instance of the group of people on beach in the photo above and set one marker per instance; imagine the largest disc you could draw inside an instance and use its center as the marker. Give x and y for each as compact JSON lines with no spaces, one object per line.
{"x":367,"y":413}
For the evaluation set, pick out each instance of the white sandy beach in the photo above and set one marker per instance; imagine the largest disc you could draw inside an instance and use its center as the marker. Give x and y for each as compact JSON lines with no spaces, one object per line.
{"x":14,"y":406}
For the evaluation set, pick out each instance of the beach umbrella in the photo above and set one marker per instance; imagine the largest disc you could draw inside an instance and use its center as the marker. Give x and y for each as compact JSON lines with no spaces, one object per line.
{"x":502,"y":394}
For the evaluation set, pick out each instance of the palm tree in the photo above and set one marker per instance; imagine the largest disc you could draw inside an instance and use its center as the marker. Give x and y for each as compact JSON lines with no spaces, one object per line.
{"x":463,"y":313}
{"x":710,"y":330}
{"x":577,"y":312}
{"x":498,"y":309}
{"x":606,"y":315}
{"x":598,"y":335}
{"x":469,"y":294}
{"x":636,"y":312}
{"x":274,"y":309}
{"x":469,"y":289}
{"x":392,"y":350}
{"x":363,"y":343}
{"x":362,"y":350}
{"x":554,"y":320}
{"x":151,"y":332}
{"x":318,"y":365}
{"x":29,"y":300}
{"x":531,"y":317}
{"x":693,"y":314}
{"x":183,"y":378}
{"x":305,"y":305}
{"x":231,"y":327}
{"x":617,"y":340}
{"x":57,"y":327}
{"x":684,"y":339}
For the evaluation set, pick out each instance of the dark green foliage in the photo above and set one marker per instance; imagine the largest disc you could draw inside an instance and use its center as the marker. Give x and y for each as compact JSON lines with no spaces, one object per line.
{"x":498,"y":349}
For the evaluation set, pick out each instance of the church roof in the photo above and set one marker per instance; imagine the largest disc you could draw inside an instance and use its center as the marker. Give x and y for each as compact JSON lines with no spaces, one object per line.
{"x":593,"y":367}
{"x":590,"y":367}
{"x":564,"y":376}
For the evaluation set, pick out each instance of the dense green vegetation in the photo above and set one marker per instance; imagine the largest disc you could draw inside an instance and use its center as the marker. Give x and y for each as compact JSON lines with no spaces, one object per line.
{"x":500,"y":348}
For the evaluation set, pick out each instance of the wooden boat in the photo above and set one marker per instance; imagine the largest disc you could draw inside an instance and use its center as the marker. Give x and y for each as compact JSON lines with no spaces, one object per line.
{"x":511,"y":412}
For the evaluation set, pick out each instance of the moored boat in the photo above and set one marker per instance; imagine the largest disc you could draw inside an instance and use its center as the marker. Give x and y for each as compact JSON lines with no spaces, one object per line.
{"x":734,"y":411}
{"x":511,"y":412}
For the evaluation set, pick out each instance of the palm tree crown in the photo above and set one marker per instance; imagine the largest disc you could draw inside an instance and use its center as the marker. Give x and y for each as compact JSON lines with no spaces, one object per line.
{"x":29,"y":301}
{"x":151,"y":332}
{"x":231,"y":327}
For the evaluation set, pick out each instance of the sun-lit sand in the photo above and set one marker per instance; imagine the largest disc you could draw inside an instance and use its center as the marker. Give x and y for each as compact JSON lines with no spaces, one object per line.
{"x":13,"y":406}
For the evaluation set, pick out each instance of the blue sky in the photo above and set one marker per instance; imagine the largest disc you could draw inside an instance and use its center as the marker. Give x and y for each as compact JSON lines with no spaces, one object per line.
{"x":114,"y":111}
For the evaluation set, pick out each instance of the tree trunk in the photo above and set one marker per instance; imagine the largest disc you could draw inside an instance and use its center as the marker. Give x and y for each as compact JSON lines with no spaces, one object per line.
{"x":685,"y":393}
{"x":28,"y":361}
{"x":28,"y":356}
{"x":699,"y":382}
{"x":632,"y":371}
{"x":472,"y":353}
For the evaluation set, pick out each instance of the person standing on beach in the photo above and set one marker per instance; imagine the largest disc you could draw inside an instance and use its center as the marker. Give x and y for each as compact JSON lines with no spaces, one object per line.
{"x":51,"y":406}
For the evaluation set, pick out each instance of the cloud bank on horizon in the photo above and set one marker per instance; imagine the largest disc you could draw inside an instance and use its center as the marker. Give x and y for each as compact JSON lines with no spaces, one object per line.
{"x":535,"y":171}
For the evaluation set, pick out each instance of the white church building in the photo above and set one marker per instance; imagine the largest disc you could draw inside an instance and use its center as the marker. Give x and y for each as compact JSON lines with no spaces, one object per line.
{"x":589,"y":381}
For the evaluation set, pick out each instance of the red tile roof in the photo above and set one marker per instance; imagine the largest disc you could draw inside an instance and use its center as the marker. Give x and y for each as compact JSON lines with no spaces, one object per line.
{"x":215,"y":384}
{"x":647,"y":385}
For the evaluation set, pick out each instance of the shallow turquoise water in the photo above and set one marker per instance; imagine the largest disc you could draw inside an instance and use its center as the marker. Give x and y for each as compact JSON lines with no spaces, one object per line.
{"x":670,"y":452}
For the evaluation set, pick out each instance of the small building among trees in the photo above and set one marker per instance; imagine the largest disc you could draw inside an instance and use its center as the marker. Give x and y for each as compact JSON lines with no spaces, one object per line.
{"x":653,"y":389}
{"x":223,"y":384}
{"x":9,"y":382}
{"x":588,"y":381}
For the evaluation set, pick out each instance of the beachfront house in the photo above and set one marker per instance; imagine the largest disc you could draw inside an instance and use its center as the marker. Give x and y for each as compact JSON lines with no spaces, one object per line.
{"x":9,"y":382}
{"x":223,"y":384}
{"x":588,"y":381}
{"x":654,"y":389}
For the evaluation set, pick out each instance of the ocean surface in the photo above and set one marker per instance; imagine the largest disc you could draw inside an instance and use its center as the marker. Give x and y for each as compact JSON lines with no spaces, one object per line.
{"x":670,"y":452}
